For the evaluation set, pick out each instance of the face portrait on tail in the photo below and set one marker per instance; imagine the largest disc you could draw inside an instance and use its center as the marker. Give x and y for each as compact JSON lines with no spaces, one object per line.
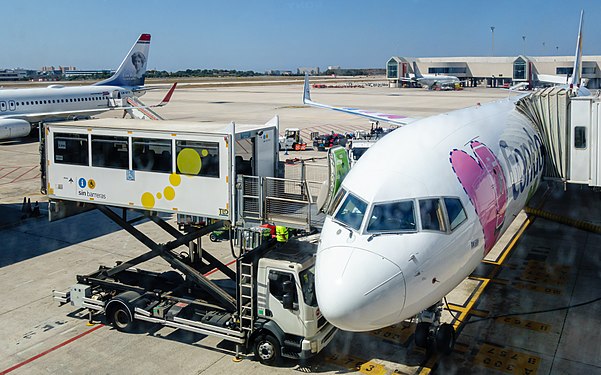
{"x":139,"y":61}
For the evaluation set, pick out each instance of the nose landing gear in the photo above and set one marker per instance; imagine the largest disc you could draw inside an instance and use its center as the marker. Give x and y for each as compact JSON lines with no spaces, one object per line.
{"x":430,"y":333}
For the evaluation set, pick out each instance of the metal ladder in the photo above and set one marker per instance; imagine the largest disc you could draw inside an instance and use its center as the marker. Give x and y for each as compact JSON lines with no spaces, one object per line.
{"x":247,"y":301}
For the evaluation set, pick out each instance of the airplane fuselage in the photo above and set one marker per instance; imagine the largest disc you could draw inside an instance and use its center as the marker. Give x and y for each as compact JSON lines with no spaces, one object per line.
{"x":430,"y":80}
{"x":57,"y":102}
{"x":370,"y":274}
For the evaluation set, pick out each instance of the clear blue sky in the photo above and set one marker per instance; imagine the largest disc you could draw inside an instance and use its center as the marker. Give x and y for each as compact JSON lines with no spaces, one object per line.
{"x":286,"y":34}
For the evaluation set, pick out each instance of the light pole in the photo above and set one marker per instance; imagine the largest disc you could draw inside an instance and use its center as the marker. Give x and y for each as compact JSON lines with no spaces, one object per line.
{"x":492,"y":29}
{"x":524,"y":39}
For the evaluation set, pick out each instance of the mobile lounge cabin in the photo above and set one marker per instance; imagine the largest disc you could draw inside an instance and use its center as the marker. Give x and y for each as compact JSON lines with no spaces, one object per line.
{"x":167,"y":166}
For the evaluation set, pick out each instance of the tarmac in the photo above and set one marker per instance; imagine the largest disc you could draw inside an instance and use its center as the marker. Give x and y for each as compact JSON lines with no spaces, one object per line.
{"x":526,"y":310}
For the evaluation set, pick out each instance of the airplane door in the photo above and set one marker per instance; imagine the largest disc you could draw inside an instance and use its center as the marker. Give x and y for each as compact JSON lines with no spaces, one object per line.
{"x":11,"y":105}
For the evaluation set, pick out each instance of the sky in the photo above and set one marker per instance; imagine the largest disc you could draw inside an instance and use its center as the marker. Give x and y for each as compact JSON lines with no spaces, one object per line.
{"x":287,"y":34}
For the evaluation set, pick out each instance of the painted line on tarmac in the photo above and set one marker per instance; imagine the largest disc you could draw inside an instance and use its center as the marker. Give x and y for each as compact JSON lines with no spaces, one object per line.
{"x":31,"y":359}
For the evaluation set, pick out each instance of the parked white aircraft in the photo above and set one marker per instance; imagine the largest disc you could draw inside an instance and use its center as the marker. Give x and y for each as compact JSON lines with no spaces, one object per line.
{"x":22,"y":108}
{"x":418,"y":212}
{"x":431,"y":80}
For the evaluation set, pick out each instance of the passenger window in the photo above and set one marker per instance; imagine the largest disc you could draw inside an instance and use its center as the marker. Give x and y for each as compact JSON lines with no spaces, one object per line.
{"x":71,"y":148}
{"x":455,"y":211}
{"x":395,"y":216}
{"x":276,"y":285}
{"x":432,"y":215}
{"x":151,"y":154}
{"x":352,"y":212}
{"x":336,"y":202}
{"x":197,"y":158}
{"x":110,"y":152}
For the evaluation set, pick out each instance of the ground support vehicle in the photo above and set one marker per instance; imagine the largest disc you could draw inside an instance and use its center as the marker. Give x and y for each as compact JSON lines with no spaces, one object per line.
{"x":266,"y":305}
{"x":292,"y":140}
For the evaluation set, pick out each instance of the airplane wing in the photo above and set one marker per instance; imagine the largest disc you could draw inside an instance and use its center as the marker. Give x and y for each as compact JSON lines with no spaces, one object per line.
{"x":372,"y":115}
{"x":39,"y":116}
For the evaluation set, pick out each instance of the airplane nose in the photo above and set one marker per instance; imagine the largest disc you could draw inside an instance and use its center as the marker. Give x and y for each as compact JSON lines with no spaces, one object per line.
{"x":358,"y":290}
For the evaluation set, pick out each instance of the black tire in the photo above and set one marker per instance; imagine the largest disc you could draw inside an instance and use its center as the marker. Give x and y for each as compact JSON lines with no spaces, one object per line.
{"x":267,"y":349}
{"x":213,"y":237}
{"x":121,"y":318}
{"x":422,"y":331}
{"x":445,"y":339}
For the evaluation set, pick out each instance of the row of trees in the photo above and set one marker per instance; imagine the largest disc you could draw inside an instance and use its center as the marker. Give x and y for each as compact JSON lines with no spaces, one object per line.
{"x":201,"y":73}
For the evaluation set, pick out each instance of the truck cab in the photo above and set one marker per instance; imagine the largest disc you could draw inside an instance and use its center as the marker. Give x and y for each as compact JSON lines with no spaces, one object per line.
{"x":286,"y":299}
{"x":291,"y":140}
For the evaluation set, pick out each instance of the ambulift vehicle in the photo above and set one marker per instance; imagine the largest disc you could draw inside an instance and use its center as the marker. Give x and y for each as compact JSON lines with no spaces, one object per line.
{"x":291,"y":140}
{"x":267,"y":306}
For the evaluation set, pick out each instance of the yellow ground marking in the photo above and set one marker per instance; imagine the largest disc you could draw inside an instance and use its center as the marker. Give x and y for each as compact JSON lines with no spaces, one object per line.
{"x":356,"y":364}
{"x":511,"y":244}
{"x":523,"y":323}
{"x":506,"y":360}
{"x":538,"y":288}
{"x":397,"y":333}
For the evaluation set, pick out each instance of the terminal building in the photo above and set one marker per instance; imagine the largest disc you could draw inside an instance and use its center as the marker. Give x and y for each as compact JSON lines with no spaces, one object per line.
{"x":494,"y":71}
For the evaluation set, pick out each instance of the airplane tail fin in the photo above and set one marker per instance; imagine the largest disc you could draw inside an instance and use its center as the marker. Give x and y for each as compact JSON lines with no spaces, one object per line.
{"x":416,"y":71}
{"x":306,"y":90}
{"x":132,"y":70}
{"x":577,"y":71}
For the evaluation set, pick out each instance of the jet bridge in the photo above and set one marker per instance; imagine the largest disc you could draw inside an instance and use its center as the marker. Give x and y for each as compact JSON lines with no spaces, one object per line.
{"x":570,"y":129}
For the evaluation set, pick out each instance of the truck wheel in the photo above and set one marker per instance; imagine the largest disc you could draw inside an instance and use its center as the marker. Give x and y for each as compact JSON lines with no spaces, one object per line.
{"x":121,"y":318}
{"x":213,"y":237}
{"x":267,"y":349}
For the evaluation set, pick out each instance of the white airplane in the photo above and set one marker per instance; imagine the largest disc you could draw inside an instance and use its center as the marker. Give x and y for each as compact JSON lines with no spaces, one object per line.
{"x":431,"y":80}
{"x":419,"y":211}
{"x":20,"y":109}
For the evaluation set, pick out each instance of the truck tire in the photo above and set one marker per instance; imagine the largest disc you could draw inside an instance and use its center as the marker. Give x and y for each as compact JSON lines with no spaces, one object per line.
{"x":121,"y":318}
{"x":213,"y":237}
{"x":120,"y":310}
{"x":267,"y":349}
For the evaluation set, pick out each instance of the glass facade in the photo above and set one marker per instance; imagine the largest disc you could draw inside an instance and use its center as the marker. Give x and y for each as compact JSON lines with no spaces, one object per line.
{"x":519,"y":69}
{"x":392,"y":69}
{"x":447,"y":70}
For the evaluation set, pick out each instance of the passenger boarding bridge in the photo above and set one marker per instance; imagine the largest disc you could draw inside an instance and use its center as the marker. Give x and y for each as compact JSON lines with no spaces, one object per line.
{"x":571,"y":133}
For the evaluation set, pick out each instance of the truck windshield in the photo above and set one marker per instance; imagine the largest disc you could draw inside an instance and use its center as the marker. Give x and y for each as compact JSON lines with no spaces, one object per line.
{"x":307,"y":279}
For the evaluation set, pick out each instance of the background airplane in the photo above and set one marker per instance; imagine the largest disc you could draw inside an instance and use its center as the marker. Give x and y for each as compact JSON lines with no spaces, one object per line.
{"x":419,"y":211}
{"x":22,"y":109}
{"x":431,"y":80}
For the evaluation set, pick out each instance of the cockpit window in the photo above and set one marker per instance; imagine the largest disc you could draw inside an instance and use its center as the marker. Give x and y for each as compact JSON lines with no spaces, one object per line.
{"x":336,"y":202}
{"x":351,"y":212}
{"x":393,"y":216}
{"x":455,"y":211}
{"x":432,"y":214}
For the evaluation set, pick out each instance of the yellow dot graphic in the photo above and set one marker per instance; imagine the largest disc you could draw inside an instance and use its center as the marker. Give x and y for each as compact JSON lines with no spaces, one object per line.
{"x":169,"y":193}
{"x":175,"y":179}
{"x":159,"y":195}
{"x":188,"y":161}
{"x":148,"y":200}
{"x":204,"y":153}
